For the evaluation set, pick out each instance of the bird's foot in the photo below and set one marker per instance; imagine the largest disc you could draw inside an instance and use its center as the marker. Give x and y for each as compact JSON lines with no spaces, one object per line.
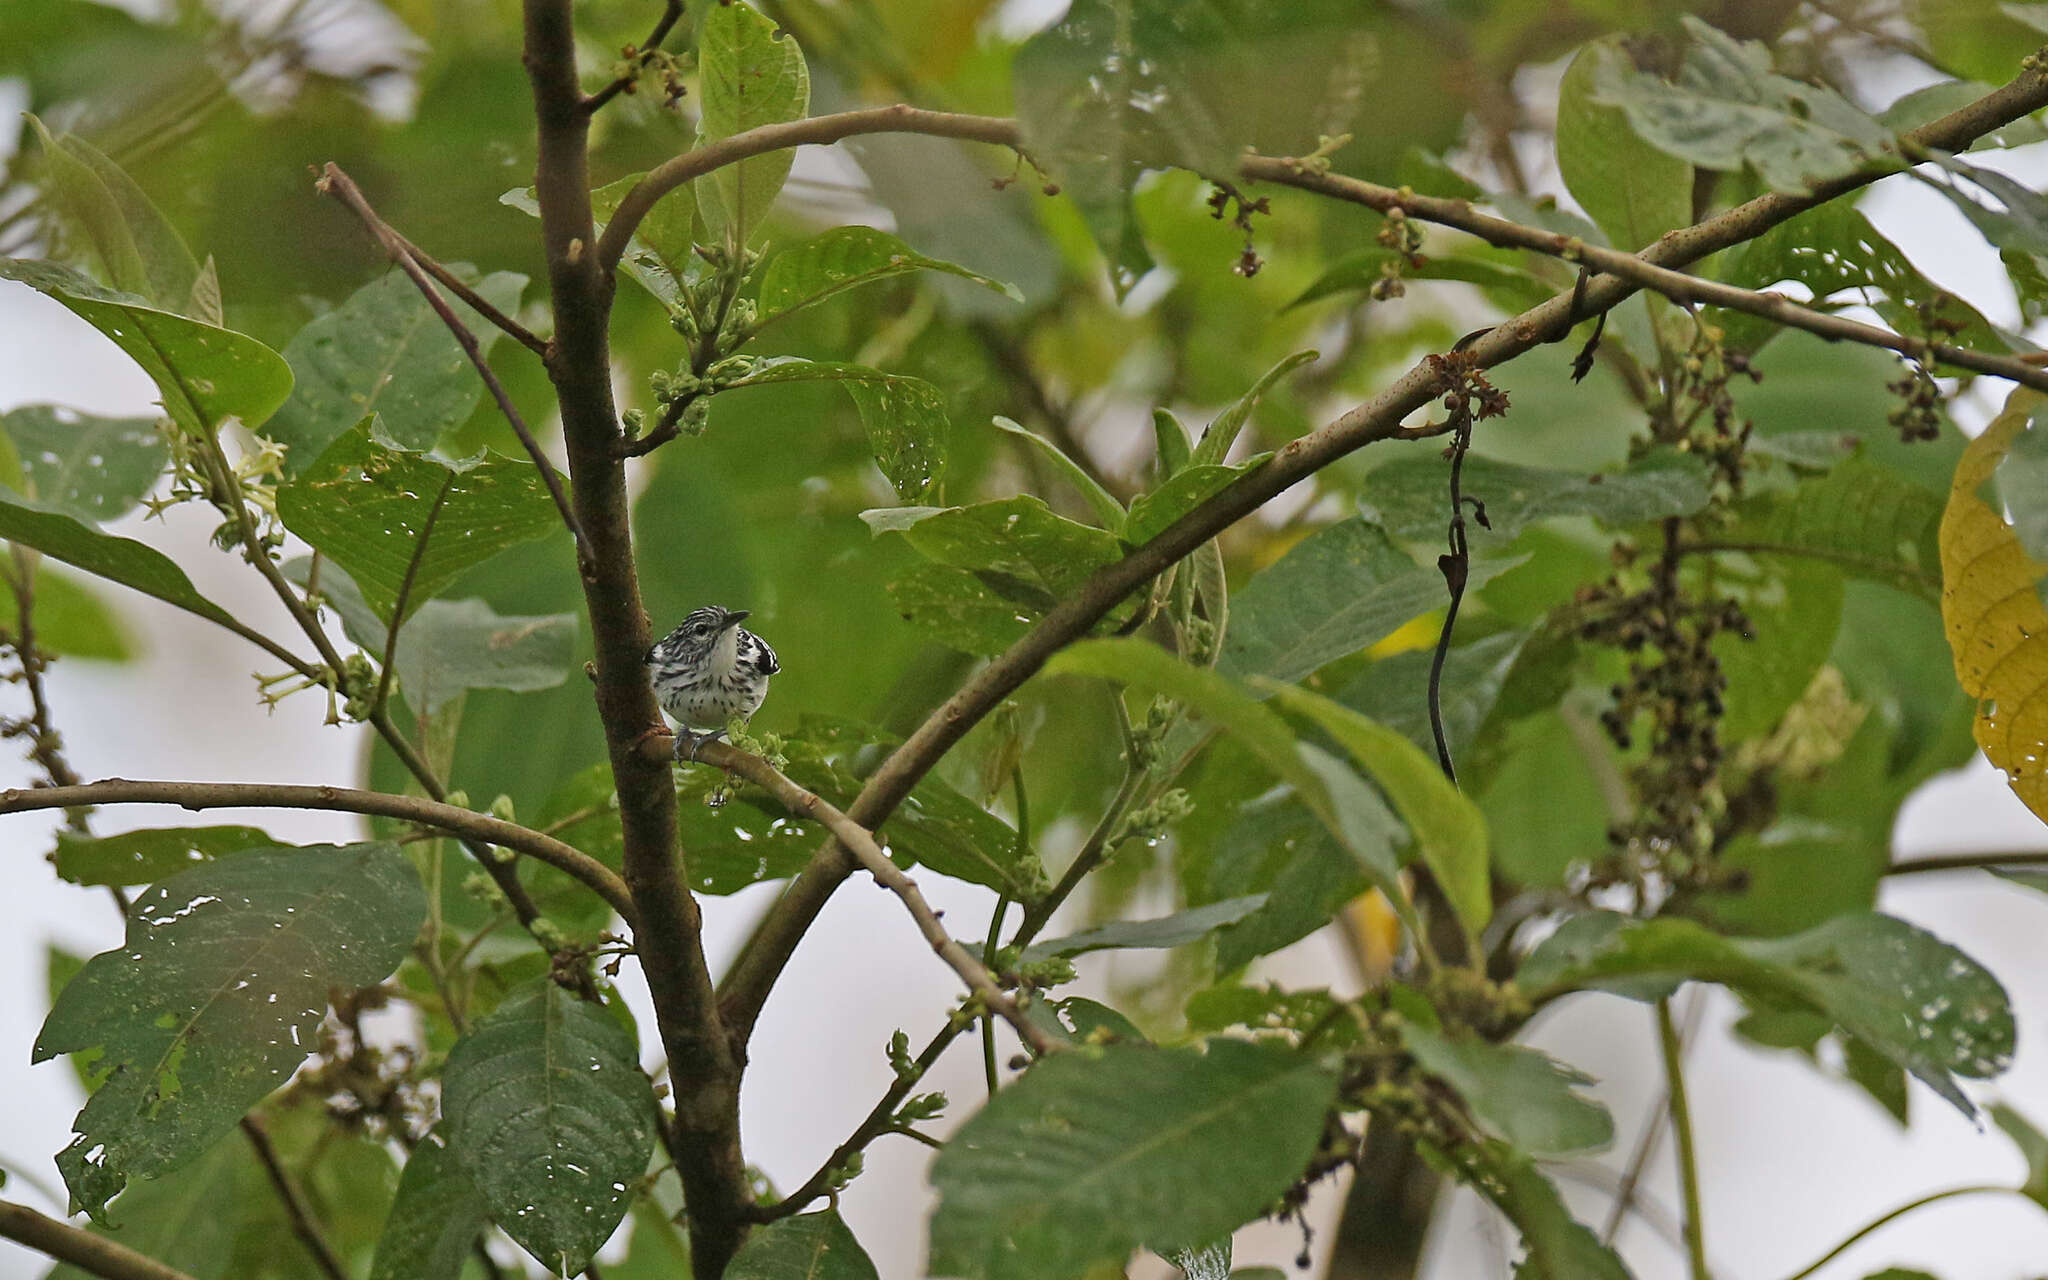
{"x":696,"y":741}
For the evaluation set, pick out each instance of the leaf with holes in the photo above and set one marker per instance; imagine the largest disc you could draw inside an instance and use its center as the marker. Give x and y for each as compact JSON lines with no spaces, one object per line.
{"x":1990,"y":605}
{"x":204,"y":373}
{"x":86,"y":466}
{"x":188,"y":1222}
{"x":810,"y":1246}
{"x":546,"y":1109}
{"x":385,"y":352}
{"x":905,"y":417}
{"x":845,"y":258}
{"x":1905,"y":993}
{"x":385,"y":515}
{"x":1089,"y":1156}
{"x":216,"y":996}
{"x":750,"y":73}
{"x":144,"y":857}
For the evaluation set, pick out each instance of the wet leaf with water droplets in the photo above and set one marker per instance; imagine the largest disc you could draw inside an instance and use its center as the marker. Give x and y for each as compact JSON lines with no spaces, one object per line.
{"x":905,"y":417}
{"x":86,"y":466}
{"x":216,"y":995}
{"x":434,"y":1218}
{"x":544,"y":1105}
{"x":141,"y":857}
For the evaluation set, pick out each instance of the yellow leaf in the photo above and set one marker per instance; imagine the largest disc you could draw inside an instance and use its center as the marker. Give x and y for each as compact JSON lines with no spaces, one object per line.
{"x":1991,"y":608}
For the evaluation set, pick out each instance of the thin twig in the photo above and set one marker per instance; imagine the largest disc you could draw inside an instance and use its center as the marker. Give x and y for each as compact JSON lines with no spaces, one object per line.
{"x":672,"y":10}
{"x":304,"y":1225}
{"x":752,"y":977}
{"x":335,"y":183}
{"x":1673,"y":1054}
{"x":475,"y":301}
{"x":1900,"y":1212}
{"x":1967,"y":862}
{"x":861,"y":843}
{"x":99,"y":1255}
{"x":1629,"y":1187}
{"x":480,"y":827}
{"x":405,"y":586}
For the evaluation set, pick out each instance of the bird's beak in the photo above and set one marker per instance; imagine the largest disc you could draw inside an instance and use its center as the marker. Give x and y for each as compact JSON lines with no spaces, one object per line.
{"x":733,"y":619}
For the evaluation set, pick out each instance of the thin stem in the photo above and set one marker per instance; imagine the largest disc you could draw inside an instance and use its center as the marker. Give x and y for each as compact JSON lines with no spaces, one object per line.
{"x":671,"y":11}
{"x":304,"y":1225}
{"x":405,"y":586}
{"x":1681,"y":1126}
{"x":1629,"y":1186}
{"x":1900,"y":1212}
{"x":335,"y":183}
{"x":99,"y":1255}
{"x":1966,"y":862}
{"x":465,"y":823}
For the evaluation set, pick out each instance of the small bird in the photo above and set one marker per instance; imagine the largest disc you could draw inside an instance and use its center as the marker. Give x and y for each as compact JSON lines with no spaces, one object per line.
{"x":709,"y":670}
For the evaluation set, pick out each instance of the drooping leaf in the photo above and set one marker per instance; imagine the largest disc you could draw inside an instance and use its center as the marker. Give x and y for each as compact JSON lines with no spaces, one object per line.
{"x":434,"y":1219}
{"x":1990,"y":606}
{"x":204,"y":373}
{"x":1176,"y":930}
{"x":1411,"y":497}
{"x":546,"y":1109}
{"x":131,"y":564}
{"x":1520,"y":1095}
{"x":84,"y":465}
{"x":150,"y":855}
{"x":188,"y":1221}
{"x":453,"y":646}
{"x":136,"y":248}
{"x":366,"y":506}
{"x":2009,"y":213}
{"x":215,"y":996}
{"x":1556,"y":1246}
{"x":751,"y":74}
{"x":1728,"y":109}
{"x":1903,"y":992}
{"x":1277,"y":846}
{"x":905,"y":417}
{"x":846,"y":258}
{"x":71,"y":619}
{"x":1109,"y":513}
{"x":809,"y":1246}
{"x":1449,"y":831}
{"x":384,"y":351}
{"x":1089,"y":1156}
{"x":1634,"y":191}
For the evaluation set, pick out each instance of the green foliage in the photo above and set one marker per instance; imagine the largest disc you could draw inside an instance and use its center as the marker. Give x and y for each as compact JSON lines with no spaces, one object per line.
{"x":1089,"y":1156}
{"x":135,"y":248}
{"x":1176,"y":930}
{"x":548,"y":1114}
{"x":86,"y":466}
{"x":1633,"y":191}
{"x":751,"y":75}
{"x":905,"y":417}
{"x":149,"y":855}
{"x":214,"y":997}
{"x":434,"y":1219}
{"x":843,"y":258}
{"x":1410,"y":497}
{"x":810,"y":1246}
{"x":1522,"y":1096}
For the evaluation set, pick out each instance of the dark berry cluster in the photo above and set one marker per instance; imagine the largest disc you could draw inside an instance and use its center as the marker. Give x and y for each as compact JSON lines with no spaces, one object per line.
{"x":1918,"y":415}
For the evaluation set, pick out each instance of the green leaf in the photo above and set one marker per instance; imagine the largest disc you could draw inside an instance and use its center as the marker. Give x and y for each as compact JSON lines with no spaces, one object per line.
{"x":136,"y":248}
{"x":1089,"y":1156}
{"x":1188,"y":488}
{"x":188,"y":1222}
{"x":1411,"y":497}
{"x":942,"y":829}
{"x":1555,"y":1245}
{"x":1016,"y":545}
{"x":1277,"y":846}
{"x":119,"y":560}
{"x":2033,"y":1145}
{"x":1214,"y":446}
{"x":435,"y":1218}
{"x":1727,"y":109}
{"x":1508,"y":286}
{"x":2010,"y":214}
{"x":1176,"y":930}
{"x":659,"y":256}
{"x":1634,"y":191}
{"x":959,"y":610}
{"x":846,"y":258}
{"x":905,"y":417}
{"x":1109,"y":513}
{"x":546,"y":1109}
{"x":1543,"y":806}
{"x":453,"y":646}
{"x":1519,"y":1095}
{"x":1864,"y":518}
{"x":1449,"y":832}
{"x":1395,"y":689}
{"x":205,"y":374}
{"x":145,"y":857}
{"x":750,"y":74}
{"x":1795,"y":611}
{"x":215,"y":997}
{"x":71,"y":620}
{"x":810,"y":1246}
{"x":366,"y":507}
{"x":1340,"y":590}
{"x":385,"y":352}
{"x":86,"y":466}
{"x":1903,"y":992}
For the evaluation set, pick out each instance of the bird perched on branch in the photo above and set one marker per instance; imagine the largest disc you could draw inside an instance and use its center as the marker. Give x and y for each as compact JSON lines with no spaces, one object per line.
{"x":709,"y":670}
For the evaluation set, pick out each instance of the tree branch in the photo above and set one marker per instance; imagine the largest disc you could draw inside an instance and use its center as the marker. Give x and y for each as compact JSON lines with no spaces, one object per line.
{"x":304,"y":1225}
{"x":704,"y":1060}
{"x":671,"y":11}
{"x":861,"y":843}
{"x":456,"y":821}
{"x":335,"y":183}
{"x":82,"y":1249}
{"x":747,"y":985}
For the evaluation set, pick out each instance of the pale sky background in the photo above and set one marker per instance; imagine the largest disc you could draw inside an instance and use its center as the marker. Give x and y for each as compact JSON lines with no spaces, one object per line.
{"x":1791,"y":1162}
